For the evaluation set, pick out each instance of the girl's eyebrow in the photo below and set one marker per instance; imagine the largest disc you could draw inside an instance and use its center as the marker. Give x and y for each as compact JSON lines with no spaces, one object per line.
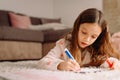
{"x":83,"y":28}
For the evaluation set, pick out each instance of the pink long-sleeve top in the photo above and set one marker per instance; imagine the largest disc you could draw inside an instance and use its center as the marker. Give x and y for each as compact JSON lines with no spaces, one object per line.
{"x":57,"y":55}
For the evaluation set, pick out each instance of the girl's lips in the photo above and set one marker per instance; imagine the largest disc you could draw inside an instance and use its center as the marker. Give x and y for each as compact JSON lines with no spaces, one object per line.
{"x":83,"y":43}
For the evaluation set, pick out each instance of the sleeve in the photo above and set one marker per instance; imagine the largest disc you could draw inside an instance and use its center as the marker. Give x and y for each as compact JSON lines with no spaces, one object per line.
{"x":53,"y":58}
{"x":116,"y":41}
{"x":111,"y":63}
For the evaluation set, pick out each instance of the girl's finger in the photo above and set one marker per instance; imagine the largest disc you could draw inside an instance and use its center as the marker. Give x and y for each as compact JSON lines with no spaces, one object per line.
{"x":75,"y":64}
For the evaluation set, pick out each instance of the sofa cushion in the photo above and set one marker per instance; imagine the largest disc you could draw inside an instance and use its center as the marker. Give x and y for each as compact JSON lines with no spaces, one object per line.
{"x":49,"y":20}
{"x":4,"y":18}
{"x":19,"y":50}
{"x":35,"y":21}
{"x":1,"y":33}
{"x":54,"y":35}
{"x":16,"y":34}
{"x":19,"y":21}
{"x":52,"y":26}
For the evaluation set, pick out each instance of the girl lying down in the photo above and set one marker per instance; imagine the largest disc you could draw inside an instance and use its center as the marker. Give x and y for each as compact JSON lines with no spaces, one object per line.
{"x":88,"y":43}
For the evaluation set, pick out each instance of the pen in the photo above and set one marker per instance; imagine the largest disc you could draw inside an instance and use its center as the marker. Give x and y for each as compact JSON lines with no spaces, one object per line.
{"x":68,"y":54}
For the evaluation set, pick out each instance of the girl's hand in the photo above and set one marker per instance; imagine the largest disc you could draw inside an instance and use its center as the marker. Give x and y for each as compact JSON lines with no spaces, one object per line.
{"x":111,"y":63}
{"x":70,"y":65}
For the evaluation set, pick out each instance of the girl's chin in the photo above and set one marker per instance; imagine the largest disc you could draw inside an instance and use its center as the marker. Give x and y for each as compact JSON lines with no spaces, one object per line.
{"x":83,"y":46}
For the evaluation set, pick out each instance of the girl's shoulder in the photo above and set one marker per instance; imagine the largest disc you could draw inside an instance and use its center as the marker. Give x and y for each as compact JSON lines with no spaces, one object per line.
{"x":116,"y":35}
{"x":63,"y":42}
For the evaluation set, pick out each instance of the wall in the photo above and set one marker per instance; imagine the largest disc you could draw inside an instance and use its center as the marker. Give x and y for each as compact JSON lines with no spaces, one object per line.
{"x":39,"y":8}
{"x":111,"y":10}
{"x":67,"y":10}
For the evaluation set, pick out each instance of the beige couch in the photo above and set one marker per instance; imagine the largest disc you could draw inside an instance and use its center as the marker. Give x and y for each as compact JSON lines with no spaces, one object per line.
{"x":26,"y":44}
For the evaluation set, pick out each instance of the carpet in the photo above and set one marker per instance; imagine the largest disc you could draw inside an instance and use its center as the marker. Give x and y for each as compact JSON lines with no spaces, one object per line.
{"x":28,"y":70}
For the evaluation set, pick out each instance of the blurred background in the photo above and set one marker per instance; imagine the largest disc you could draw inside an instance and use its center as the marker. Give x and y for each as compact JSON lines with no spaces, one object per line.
{"x":67,"y":10}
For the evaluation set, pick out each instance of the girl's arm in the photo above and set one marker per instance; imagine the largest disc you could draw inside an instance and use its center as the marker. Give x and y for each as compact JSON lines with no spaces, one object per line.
{"x":53,"y":58}
{"x":111,"y":63}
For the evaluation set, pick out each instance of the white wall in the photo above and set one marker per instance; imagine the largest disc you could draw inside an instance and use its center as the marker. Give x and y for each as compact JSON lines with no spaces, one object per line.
{"x":39,"y":8}
{"x":67,"y":10}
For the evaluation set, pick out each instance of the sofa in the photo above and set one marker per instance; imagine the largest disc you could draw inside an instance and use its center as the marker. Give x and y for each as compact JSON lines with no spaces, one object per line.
{"x":18,"y":42}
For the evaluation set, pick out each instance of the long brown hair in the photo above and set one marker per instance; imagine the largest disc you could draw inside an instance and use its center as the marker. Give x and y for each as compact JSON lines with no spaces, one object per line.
{"x":101,"y":47}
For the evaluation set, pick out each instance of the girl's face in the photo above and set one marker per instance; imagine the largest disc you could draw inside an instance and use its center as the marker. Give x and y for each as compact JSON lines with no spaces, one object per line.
{"x":88,"y":33}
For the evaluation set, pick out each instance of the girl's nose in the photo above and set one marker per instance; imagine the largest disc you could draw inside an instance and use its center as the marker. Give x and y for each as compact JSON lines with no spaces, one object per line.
{"x":87,"y":39}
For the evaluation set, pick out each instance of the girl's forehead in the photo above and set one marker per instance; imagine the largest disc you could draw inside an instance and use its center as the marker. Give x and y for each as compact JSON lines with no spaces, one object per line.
{"x":92,"y":28}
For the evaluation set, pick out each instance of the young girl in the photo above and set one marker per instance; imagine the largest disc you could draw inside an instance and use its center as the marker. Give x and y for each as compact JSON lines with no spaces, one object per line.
{"x":88,"y":43}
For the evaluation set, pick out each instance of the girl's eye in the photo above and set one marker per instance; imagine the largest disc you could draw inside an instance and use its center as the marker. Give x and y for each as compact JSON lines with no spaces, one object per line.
{"x":94,"y":37}
{"x":84,"y":32}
